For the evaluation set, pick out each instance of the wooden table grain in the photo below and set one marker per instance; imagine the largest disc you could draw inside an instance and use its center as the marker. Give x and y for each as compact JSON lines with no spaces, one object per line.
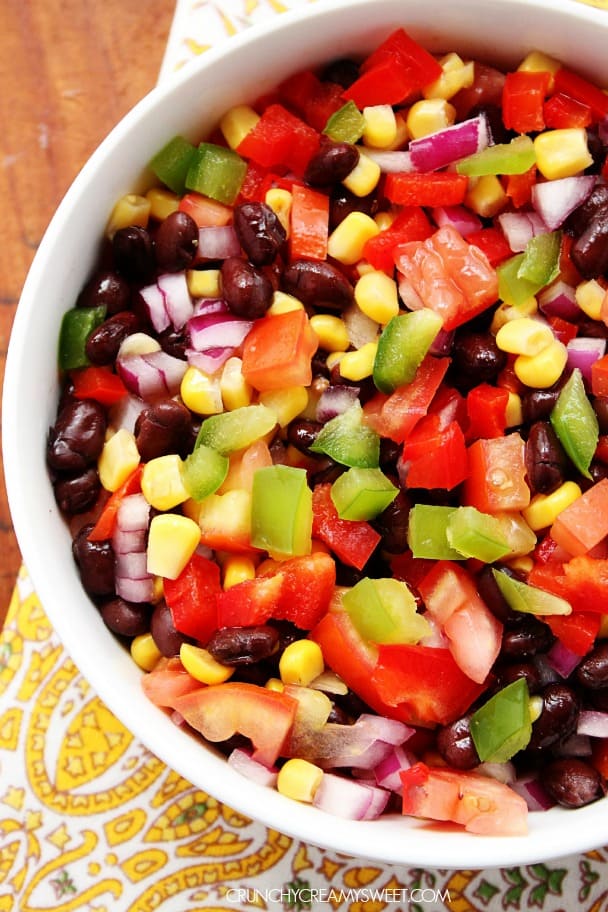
{"x":69,"y":70}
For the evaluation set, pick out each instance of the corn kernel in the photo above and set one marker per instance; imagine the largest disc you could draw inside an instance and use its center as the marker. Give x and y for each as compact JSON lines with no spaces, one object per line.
{"x":486,"y":196}
{"x":524,"y":336}
{"x":118,"y":459}
{"x":377,"y":296}
{"x":523,"y":564}
{"x":429,"y":115}
{"x":333,"y":359}
{"x":283,"y":303}
{"x":162,"y":202}
{"x":562,"y":153}
{"x":537,"y":62}
{"x":514,"y":413}
{"x":535,"y":707}
{"x":144,"y":651}
{"x":236,"y":392}
{"x":286,"y":403}
{"x":237,"y":568}
{"x":138,"y":344}
{"x":237,"y":123}
{"x":274,"y":684}
{"x":280,"y":202}
{"x":384,"y":220}
{"x":301,"y":662}
{"x":456,"y":75}
{"x":172,"y":540}
{"x":161,"y":482}
{"x":201,"y":393}
{"x":346,"y":242}
{"x":545,"y":508}
{"x":331,"y":332}
{"x":505,"y":312}
{"x":204,"y":283}
{"x":380,"y":126}
{"x":299,"y":779}
{"x":544,"y":369}
{"x":364,"y":177}
{"x":589,"y":296}
{"x":402,"y":135}
{"x":359,"y":364}
{"x":131,"y":209}
{"x":199,"y":663}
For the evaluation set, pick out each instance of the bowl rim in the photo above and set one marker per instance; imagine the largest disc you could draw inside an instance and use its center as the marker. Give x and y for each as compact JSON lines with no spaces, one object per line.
{"x":386,"y":841}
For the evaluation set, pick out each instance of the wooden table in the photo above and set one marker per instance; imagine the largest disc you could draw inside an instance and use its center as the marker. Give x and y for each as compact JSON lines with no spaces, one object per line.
{"x":69,"y":70}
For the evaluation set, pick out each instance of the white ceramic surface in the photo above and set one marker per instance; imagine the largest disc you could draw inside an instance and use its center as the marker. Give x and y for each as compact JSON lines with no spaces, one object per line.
{"x":190,"y":103}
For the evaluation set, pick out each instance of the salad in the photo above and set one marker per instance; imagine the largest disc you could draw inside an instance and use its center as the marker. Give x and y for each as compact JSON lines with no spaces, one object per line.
{"x":333,"y":436}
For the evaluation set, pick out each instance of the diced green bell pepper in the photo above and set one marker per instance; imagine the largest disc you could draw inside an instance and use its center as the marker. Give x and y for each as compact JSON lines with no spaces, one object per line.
{"x":404,"y":342}
{"x":76,"y":327}
{"x":232,"y":431}
{"x":362,"y":494}
{"x":203,"y":471}
{"x":529,"y":599}
{"x":217,"y":172}
{"x":171,"y":163}
{"x":427,"y":533}
{"x":476,"y":534}
{"x":384,"y":611}
{"x":513,"y":288}
{"x":515,"y":157}
{"x":346,"y":124}
{"x":540,"y":264}
{"x":348,"y":441}
{"x":574,"y":421}
{"x":502,"y":726}
{"x":281,"y":511}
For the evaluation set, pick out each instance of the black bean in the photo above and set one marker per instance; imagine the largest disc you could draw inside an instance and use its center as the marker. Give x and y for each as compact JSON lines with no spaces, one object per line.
{"x":573,"y":783}
{"x":162,"y":428}
{"x":175,"y":242}
{"x":302,"y":433}
{"x":525,"y":636}
{"x":106,"y":289}
{"x":95,"y":561}
{"x":338,"y":715}
{"x":597,"y":201}
{"x":175,"y":342}
{"x":126,"y":618}
{"x":456,"y":745}
{"x":516,"y":670}
{"x":546,"y":461}
{"x":243,"y":645}
{"x":600,"y":407}
{"x":248,"y":292}
{"x":393,"y":524}
{"x":331,"y":164}
{"x":168,"y":640}
{"x":492,"y":596}
{"x":589,"y":253}
{"x":593,"y":329}
{"x":318,"y":284}
{"x":476,"y":358}
{"x":537,"y":405}
{"x":78,"y":493}
{"x":598,"y":699}
{"x":104,"y":342}
{"x":259,"y":231}
{"x":76,"y":439}
{"x":133,"y":254}
{"x":342,"y":71}
{"x":558,"y":717}
{"x":592,"y":671}
{"x":342,"y":202}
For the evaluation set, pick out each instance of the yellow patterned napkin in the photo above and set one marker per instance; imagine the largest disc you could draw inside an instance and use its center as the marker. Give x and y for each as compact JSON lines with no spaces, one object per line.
{"x":91,"y":820}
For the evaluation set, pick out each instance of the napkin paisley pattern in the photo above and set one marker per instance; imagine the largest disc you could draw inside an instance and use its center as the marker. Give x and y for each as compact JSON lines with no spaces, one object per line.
{"x":91,"y":820}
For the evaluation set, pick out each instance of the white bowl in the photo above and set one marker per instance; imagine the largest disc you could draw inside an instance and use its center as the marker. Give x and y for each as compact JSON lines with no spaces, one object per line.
{"x":502,"y":31}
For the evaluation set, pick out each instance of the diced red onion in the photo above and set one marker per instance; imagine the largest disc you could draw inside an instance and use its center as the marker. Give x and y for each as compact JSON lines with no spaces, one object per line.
{"x":462,"y":219}
{"x":502,"y":772}
{"x":533,"y":792}
{"x":583,"y":352}
{"x":335,"y":400}
{"x":210,"y":361}
{"x":243,"y":763}
{"x":151,"y":375}
{"x":125,"y":413}
{"x":592,"y":723}
{"x":554,"y":200}
{"x":562,"y":659}
{"x":387,"y":771}
{"x":209,"y":306}
{"x":133,"y":514}
{"x":132,"y":565}
{"x":359,"y":327}
{"x":125,"y":540}
{"x":392,"y":162}
{"x":154,"y":300}
{"x":520,"y":227}
{"x":390,"y":730}
{"x":135,"y":590}
{"x":559,"y":300}
{"x":178,"y":303}
{"x":443,"y":148}
{"x":346,"y":798}
{"x":217,"y":242}
{"x":442,"y":343}
{"x":217,"y":330}
{"x":132,"y":580}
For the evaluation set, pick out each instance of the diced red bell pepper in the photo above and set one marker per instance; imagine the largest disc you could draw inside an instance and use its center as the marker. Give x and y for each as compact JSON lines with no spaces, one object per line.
{"x":250,"y":602}
{"x":577,"y":631}
{"x":278,"y":350}
{"x":523,"y":96}
{"x":191,"y":598}
{"x":563,"y":330}
{"x":309,"y":224}
{"x":486,"y":411}
{"x":297,"y":89}
{"x":434,"y":456}
{"x":518,"y":187}
{"x":435,"y":188}
{"x":599,"y":377}
{"x":492,"y":242}
{"x":280,"y":138}
{"x":254,"y":185}
{"x":395,"y":416}
{"x":409,"y":569}
{"x":314,"y":100}
{"x":582,"y":581}
{"x":601,"y":450}
{"x":411,"y":224}
{"x":561,"y":112}
{"x":352,"y":541}
{"x":496,"y":478}
{"x":98,"y":383}
{"x":582,"y":90}
{"x":307,"y":586}
{"x":104,"y":527}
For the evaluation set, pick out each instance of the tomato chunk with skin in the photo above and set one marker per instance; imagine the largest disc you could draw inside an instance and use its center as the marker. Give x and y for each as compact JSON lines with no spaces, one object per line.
{"x":222,"y":710}
{"x":307,"y":586}
{"x":481,"y":804}
{"x":496,"y":479}
{"x":167,"y":681}
{"x":191,"y":598}
{"x":395,"y":416}
{"x":278,"y":350}
{"x":352,"y":541}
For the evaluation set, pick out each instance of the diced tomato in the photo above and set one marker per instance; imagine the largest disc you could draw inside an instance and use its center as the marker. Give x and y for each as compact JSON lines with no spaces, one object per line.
{"x":191,"y":598}
{"x":435,"y":188}
{"x":577,"y":631}
{"x":307,"y":585}
{"x":434,"y":456}
{"x":583,"y":524}
{"x":104,"y":527}
{"x":523,"y":96}
{"x":352,"y":541}
{"x":98,"y":383}
{"x":167,"y":681}
{"x":518,"y":187}
{"x":309,"y":224}
{"x":561,"y":112}
{"x":410,"y":224}
{"x":601,"y":450}
{"x":277,"y":352}
{"x":206,"y":212}
{"x":496,"y":479}
{"x":220,"y":711}
{"x":599,"y":376}
{"x":582,"y":581}
{"x":280,"y":138}
{"x":486,"y":411}
{"x":480,"y":803}
{"x":492,"y":242}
